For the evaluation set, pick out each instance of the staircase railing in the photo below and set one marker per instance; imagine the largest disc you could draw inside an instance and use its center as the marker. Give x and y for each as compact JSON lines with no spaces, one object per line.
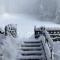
{"x":38,"y":33}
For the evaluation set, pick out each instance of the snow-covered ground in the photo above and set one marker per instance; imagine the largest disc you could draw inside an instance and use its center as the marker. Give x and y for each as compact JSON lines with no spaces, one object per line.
{"x":57,"y":50}
{"x":25,"y":26}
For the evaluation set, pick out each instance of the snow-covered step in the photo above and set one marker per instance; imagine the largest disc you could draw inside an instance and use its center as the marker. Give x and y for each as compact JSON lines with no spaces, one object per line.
{"x":42,"y":57}
{"x":26,"y":45}
{"x":31,"y":44}
{"x":32,"y":51}
{"x":30,"y":39}
{"x":31,"y":47}
{"x":36,"y":41}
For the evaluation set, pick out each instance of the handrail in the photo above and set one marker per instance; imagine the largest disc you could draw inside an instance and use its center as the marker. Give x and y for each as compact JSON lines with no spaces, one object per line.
{"x":49,"y":48}
{"x":44,"y":51}
{"x":46,"y":42}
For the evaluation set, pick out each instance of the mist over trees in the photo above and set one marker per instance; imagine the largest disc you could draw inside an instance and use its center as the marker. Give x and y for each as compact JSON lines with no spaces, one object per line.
{"x":49,"y":9}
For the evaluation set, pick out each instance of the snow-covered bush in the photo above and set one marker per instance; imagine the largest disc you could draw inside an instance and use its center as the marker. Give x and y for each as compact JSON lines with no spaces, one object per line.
{"x":12,"y":29}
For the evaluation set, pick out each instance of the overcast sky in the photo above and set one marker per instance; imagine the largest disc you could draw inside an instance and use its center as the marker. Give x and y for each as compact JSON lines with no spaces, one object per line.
{"x":23,"y":6}
{"x":42,"y":7}
{"x":19,"y":6}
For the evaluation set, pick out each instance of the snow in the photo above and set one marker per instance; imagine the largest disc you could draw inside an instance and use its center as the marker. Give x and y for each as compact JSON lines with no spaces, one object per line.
{"x":46,"y":47}
{"x":25,"y":23}
{"x":57,"y":50}
{"x":25,"y":26}
{"x":50,"y":41}
{"x":8,"y":47}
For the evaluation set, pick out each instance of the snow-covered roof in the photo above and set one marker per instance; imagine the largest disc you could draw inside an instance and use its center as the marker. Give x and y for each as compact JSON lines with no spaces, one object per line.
{"x":53,"y":28}
{"x":49,"y":28}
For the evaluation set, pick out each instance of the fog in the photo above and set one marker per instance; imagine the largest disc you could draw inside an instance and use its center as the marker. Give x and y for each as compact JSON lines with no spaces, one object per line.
{"x":49,"y":9}
{"x":20,"y":6}
{"x":28,"y":6}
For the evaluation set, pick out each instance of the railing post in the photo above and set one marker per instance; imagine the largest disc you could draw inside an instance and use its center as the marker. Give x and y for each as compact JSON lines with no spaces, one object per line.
{"x":51,"y":53}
